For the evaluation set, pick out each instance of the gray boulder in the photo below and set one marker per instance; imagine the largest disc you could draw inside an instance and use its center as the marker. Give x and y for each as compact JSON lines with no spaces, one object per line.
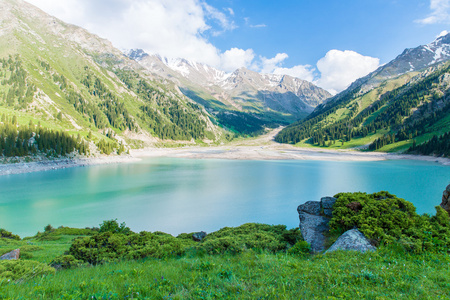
{"x":352,"y":240}
{"x":445,"y":204}
{"x":314,"y":218}
{"x":326,"y":204}
{"x":310,"y":207}
{"x":11,"y":255}
{"x":313,"y":228}
{"x":199,"y":236}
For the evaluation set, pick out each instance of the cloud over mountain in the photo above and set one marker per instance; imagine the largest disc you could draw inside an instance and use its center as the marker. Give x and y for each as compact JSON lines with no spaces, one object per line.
{"x":181,"y":29}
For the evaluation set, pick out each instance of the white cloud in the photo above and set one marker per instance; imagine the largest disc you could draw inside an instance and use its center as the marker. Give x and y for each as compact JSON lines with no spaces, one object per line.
{"x":270,"y":64}
{"x":305,"y":72}
{"x":440,"y":12}
{"x":220,"y":17}
{"x":236,"y":58}
{"x":170,"y":28}
{"x":179,"y":28}
{"x":339,"y":69}
{"x":274,"y":65}
{"x":258,"y":26}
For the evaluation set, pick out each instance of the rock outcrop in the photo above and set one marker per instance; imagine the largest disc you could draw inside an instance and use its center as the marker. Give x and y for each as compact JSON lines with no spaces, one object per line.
{"x":199,"y":236}
{"x":445,"y":204}
{"x":314,"y":218}
{"x":352,"y":240}
{"x":11,"y":255}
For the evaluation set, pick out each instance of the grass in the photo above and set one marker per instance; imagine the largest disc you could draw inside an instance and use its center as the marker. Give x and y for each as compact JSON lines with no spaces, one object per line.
{"x":384,"y":274}
{"x":388,"y":273}
{"x":356,"y":142}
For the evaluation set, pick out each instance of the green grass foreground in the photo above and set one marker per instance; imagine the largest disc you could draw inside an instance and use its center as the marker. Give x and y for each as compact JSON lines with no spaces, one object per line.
{"x":384,"y":274}
{"x":251,"y":261}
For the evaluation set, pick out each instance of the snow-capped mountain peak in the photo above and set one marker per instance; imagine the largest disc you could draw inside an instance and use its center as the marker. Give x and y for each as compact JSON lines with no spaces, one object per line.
{"x":278,"y":92}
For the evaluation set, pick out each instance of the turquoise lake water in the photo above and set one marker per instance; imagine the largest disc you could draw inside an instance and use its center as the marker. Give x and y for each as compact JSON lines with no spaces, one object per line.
{"x":184,"y":195}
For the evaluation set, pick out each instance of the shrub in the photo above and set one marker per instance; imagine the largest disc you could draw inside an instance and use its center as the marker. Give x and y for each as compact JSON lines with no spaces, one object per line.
{"x":52,"y":234}
{"x":384,"y":218}
{"x":114,"y":227}
{"x":65,"y":262}
{"x":300,"y":248}
{"x":380,"y":216}
{"x":12,"y":270}
{"x":8,"y":235}
{"x":49,"y":228}
{"x":108,"y":246}
{"x":249,"y":236}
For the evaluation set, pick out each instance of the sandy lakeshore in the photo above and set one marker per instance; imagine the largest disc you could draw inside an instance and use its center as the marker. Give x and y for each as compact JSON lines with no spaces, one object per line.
{"x":260,"y":148}
{"x":278,"y":153}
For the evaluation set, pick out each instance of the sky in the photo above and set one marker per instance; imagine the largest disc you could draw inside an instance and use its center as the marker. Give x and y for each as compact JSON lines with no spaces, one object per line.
{"x":328,"y":42}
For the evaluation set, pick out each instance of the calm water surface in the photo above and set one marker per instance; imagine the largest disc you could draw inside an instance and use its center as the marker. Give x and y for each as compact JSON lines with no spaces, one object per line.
{"x":183,"y":195}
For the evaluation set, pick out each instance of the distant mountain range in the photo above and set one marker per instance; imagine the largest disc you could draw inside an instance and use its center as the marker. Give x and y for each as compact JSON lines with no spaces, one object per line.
{"x":400,"y":105}
{"x":66,"y":79}
{"x":280,"y":98}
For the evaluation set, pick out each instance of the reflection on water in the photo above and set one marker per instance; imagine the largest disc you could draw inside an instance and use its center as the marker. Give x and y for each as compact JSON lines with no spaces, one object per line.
{"x":183,"y":195}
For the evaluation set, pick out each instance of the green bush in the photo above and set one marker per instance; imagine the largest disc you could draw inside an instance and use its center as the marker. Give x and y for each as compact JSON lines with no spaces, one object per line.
{"x":8,"y":235}
{"x":75,"y":231}
{"x":300,"y":248}
{"x":114,"y":227}
{"x":384,"y":218}
{"x":12,"y":270}
{"x":52,"y":234}
{"x":49,"y":228}
{"x":271,"y":238}
{"x":65,"y":262}
{"x":108,"y":246}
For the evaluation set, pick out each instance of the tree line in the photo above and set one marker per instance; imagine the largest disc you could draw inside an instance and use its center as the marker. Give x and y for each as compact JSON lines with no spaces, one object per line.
{"x":391,"y":113}
{"x":166,"y":115}
{"x":31,"y":139}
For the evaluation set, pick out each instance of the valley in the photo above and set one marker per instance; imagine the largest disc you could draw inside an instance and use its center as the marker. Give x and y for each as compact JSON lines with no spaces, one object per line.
{"x":174,"y":149}
{"x":68,"y":94}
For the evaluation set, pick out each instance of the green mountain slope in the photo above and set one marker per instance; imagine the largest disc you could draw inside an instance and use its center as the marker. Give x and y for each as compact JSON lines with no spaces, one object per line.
{"x":65,"y":79}
{"x":393,"y":115}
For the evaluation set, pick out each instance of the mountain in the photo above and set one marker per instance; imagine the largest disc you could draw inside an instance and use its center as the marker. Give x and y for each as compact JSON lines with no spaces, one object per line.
{"x":272,"y":98}
{"x":397,"y":107}
{"x":60,"y":78}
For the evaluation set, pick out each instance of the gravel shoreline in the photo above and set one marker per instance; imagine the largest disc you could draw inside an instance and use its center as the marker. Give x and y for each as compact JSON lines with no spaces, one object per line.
{"x":279,"y":152}
{"x":46,"y":165}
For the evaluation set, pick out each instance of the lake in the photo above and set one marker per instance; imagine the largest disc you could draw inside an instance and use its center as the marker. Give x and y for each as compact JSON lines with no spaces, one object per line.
{"x":177,"y":195}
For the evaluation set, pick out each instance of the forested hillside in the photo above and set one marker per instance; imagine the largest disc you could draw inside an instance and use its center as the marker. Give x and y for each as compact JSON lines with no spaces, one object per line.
{"x":78,"y":86}
{"x":400,"y":114}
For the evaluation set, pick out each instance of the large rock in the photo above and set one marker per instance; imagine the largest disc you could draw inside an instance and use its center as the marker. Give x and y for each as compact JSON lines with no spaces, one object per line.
{"x":310,"y":207}
{"x":314,"y":218}
{"x":352,"y":240}
{"x":445,"y":204}
{"x":313,"y":229}
{"x":199,"y":236}
{"x":11,"y":255}
{"x":326,"y":204}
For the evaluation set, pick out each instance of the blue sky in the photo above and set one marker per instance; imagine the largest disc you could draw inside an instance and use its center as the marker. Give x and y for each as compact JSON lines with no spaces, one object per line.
{"x":329,"y":42}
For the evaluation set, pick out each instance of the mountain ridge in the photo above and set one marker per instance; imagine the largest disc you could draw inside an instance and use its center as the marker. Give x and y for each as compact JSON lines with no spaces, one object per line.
{"x":383,"y":110}
{"x":237,"y":89}
{"x":64,"y":78}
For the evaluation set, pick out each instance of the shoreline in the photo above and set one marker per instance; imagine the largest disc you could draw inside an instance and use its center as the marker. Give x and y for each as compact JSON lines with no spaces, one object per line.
{"x":265,"y":152}
{"x":280,"y":153}
{"x":262,"y":147}
{"x":63,"y":163}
